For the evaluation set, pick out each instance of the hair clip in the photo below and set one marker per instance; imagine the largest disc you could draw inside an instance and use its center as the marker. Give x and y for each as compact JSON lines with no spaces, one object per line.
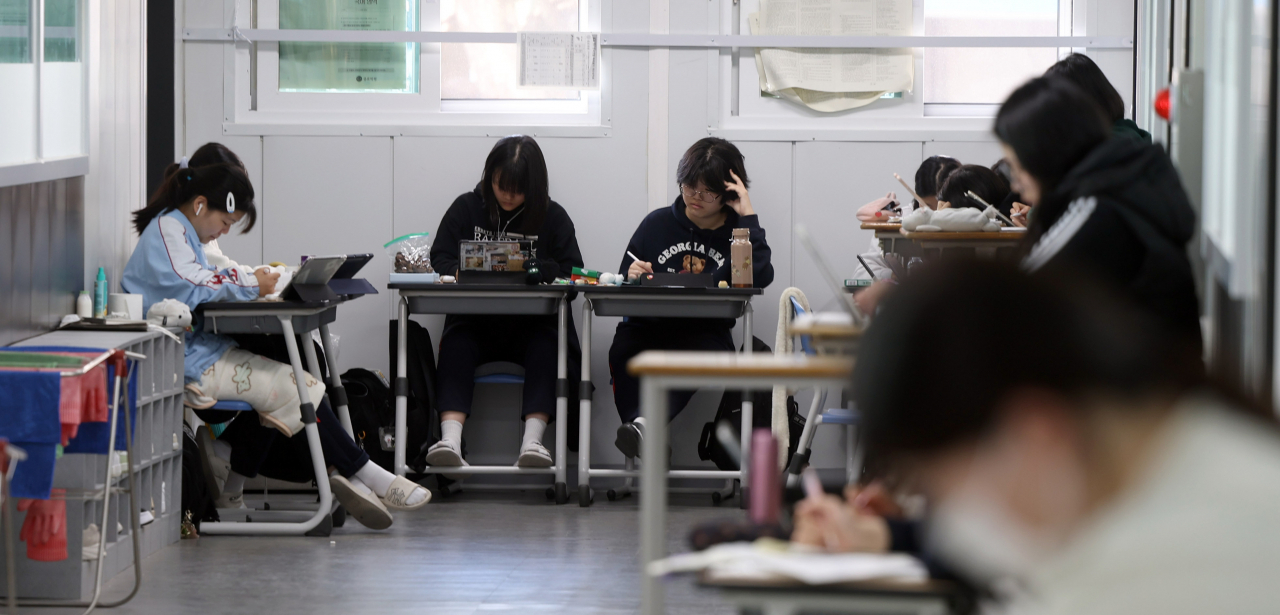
{"x":231,"y":203}
{"x":182,"y":164}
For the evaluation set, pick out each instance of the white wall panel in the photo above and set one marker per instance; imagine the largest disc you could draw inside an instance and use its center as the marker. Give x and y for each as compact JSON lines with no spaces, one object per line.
{"x":984,"y":153}
{"x":332,"y":195}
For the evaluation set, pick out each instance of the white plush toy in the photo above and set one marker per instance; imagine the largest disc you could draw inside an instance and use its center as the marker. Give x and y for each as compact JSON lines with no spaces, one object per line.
{"x":169,"y":313}
{"x":963,"y":219}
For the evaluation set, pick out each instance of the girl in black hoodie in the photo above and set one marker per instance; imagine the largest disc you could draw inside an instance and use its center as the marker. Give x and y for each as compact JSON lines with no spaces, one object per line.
{"x":1110,"y":207}
{"x":691,"y":236}
{"x":510,"y":203}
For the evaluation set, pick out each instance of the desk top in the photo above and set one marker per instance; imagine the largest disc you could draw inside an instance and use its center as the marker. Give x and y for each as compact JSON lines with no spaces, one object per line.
{"x":932,"y":587}
{"x":265,"y":306}
{"x":734,"y":364}
{"x":496,"y":289}
{"x":1002,"y":236}
{"x":669,"y":291}
{"x":824,"y":330}
{"x":881,"y":226}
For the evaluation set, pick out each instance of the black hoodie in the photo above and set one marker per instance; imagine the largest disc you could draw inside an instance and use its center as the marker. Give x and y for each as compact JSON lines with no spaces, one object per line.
{"x":555,"y":245}
{"x":1123,"y":216}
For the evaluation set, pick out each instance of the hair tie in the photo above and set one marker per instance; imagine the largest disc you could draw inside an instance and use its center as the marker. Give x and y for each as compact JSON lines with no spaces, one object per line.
{"x":231,"y":203}
{"x":182,"y":164}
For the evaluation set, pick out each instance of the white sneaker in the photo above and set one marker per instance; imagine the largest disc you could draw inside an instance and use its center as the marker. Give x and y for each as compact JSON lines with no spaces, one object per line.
{"x":535,"y":456}
{"x":447,"y":454}
{"x":89,"y":548}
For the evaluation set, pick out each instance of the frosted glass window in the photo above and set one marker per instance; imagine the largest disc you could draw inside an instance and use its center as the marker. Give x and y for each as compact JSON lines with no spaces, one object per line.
{"x":487,"y":71}
{"x":61,"y":30}
{"x":349,"y":67}
{"x":15,"y":31}
{"x":985,"y":75}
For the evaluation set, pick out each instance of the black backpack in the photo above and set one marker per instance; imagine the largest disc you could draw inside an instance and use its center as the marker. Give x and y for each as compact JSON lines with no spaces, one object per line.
{"x":196,"y":503}
{"x":423,"y":416}
{"x":730,"y":409}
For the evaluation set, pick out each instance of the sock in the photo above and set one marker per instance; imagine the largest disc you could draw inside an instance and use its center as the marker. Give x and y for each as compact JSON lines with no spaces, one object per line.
{"x":451,"y":431}
{"x":533,"y":428}
{"x":378,"y":481}
{"x":222,"y":450}
{"x":356,"y":483}
{"x":234,"y":483}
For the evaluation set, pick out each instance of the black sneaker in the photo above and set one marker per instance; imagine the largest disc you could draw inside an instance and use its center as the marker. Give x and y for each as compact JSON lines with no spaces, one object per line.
{"x":630,"y":439}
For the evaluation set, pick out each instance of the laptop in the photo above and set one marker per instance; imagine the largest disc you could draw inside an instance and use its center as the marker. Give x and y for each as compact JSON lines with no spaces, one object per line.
{"x":344,"y":281}
{"x":310,"y":282}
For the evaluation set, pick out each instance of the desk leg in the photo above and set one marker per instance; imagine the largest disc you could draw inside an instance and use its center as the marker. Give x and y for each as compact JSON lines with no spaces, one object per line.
{"x":585,"y":391}
{"x":401,"y":387}
{"x":309,"y":426}
{"x":337,"y":392}
{"x":653,"y":487}
{"x":748,"y":405}
{"x":562,"y":403}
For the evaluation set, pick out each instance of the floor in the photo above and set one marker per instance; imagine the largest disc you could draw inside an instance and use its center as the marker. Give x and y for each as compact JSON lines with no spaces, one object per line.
{"x":475,"y":552}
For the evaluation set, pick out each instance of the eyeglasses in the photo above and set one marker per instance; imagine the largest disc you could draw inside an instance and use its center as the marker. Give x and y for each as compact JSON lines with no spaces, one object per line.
{"x":699,"y":195}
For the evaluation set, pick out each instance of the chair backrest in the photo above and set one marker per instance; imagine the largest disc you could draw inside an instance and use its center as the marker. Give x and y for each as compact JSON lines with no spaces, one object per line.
{"x":805,"y":341}
{"x":499,"y":372}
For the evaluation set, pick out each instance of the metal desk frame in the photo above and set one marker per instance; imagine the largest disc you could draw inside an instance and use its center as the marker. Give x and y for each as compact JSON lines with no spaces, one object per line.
{"x":469,"y":299}
{"x":657,"y":302}
{"x":289,"y":319}
{"x":653,"y":475}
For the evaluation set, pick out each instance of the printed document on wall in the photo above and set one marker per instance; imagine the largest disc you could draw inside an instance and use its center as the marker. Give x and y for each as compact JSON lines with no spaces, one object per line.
{"x":569,"y":60}
{"x":834,"y":79}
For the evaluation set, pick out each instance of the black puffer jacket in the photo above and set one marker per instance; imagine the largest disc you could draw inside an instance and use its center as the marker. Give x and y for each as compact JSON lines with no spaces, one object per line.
{"x":1123,"y":217}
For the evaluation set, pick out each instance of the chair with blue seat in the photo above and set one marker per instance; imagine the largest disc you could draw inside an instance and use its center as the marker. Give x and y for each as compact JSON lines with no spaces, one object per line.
{"x":847,"y":417}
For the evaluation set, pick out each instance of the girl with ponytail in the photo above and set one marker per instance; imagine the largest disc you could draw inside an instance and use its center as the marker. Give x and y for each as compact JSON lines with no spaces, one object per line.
{"x":194,"y":206}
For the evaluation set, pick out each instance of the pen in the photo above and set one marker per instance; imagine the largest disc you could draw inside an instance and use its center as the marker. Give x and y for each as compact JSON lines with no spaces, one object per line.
{"x":634,"y":257}
{"x":867,"y":267}
{"x":977,"y":198}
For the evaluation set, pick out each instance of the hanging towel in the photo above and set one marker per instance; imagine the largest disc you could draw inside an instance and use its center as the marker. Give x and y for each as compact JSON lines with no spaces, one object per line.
{"x":784,"y":344}
{"x":84,"y":397}
{"x":29,"y":418}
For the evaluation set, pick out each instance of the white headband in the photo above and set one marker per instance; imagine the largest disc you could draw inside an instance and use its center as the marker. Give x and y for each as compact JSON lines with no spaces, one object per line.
{"x":231,"y":203}
{"x":182,"y":164}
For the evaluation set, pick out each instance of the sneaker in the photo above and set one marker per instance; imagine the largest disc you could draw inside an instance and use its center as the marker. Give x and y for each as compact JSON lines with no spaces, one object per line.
{"x":210,"y":463}
{"x":630,"y":439}
{"x":229,"y":501}
{"x":446,"y":454}
{"x":89,"y":548}
{"x":535,"y":456}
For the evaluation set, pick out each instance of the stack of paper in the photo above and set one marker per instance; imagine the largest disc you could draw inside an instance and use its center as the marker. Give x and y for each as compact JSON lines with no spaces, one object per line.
{"x":760,"y":561}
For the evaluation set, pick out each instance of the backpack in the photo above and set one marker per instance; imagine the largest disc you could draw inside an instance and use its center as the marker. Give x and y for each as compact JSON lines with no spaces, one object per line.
{"x":197,"y":506}
{"x":730,"y":409}
{"x":372,"y":409}
{"x":422,"y":414}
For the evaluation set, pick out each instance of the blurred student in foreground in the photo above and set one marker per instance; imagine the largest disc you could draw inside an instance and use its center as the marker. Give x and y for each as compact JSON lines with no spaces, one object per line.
{"x":1067,"y":461}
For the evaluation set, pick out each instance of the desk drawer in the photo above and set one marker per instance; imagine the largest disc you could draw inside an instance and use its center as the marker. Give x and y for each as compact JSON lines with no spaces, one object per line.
{"x":452,"y":304}
{"x":666,"y":307}
{"x":267,"y":324}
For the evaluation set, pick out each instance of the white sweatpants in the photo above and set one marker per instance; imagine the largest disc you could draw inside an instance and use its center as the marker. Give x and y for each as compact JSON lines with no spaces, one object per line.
{"x":269,"y":386}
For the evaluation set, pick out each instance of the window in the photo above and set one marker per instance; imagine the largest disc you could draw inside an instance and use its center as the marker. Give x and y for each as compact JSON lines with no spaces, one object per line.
{"x":349,"y":67}
{"x":42,"y":95}
{"x":985,"y":75}
{"x":481,"y":71}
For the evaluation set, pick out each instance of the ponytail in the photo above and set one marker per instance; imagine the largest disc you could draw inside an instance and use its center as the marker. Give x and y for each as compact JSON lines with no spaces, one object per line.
{"x":214,"y":182}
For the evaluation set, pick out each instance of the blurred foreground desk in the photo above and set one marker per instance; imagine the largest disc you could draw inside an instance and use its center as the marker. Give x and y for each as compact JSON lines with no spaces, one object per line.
{"x":866,"y":598}
{"x":663,"y":371}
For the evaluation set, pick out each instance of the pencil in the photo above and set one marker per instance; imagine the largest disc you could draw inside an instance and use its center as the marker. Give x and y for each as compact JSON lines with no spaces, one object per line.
{"x":977,"y":198}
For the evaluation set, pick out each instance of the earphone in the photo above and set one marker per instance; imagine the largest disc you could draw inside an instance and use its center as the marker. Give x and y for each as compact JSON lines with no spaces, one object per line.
{"x":199,"y":208}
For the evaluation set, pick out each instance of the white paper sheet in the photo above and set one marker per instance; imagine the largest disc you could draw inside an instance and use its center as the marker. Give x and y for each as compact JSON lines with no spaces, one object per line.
{"x":569,"y":60}
{"x":765,"y":560}
{"x":834,"y":79}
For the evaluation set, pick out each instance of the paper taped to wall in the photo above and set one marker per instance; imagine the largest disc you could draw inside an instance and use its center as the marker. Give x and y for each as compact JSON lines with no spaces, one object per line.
{"x":569,"y":60}
{"x":834,"y":79}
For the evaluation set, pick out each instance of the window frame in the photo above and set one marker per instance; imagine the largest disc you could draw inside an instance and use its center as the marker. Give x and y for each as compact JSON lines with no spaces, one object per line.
{"x":42,"y":167}
{"x":731,"y":75}
{"x":257,"y":108}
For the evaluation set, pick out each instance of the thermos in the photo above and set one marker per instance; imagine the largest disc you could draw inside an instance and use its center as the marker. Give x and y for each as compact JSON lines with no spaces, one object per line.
{"x":766,"y":487}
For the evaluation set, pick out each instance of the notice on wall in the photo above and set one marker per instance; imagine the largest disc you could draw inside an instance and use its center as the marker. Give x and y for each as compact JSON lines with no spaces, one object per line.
{"x":569,"y":60}
{"x":348,"y":67}
{"x":834,"y":79}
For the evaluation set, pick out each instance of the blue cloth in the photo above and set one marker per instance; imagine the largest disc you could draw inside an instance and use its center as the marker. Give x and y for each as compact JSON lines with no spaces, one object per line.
{"x":92,"y":437}
{"x":30,"y":419}
{"x":169,"y":263}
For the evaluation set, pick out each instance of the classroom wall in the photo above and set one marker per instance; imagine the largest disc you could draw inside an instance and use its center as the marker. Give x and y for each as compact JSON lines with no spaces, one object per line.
{"x":336,"y":194}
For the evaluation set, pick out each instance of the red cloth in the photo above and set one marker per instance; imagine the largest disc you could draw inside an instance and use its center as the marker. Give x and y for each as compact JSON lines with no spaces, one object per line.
{"x":84,"y":397}
{"x":45,"y":527}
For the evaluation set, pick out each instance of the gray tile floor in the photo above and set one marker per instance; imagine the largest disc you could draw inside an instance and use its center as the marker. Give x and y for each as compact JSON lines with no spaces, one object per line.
{"x":472,"y":553}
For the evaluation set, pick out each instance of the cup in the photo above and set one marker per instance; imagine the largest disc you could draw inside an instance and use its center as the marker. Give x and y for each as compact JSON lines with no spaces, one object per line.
{"x":125,"y":304}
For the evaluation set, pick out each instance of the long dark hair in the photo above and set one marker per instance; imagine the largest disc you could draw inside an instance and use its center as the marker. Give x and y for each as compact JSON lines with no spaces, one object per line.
{"x":1080,"y":70}
{"x":931,"y":172}
{"x":1051,"y":125}
{"x":212,"y":181}
{"x":520,"y":168}
{"x":987,"y":184}
{"x":709,"y":161}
